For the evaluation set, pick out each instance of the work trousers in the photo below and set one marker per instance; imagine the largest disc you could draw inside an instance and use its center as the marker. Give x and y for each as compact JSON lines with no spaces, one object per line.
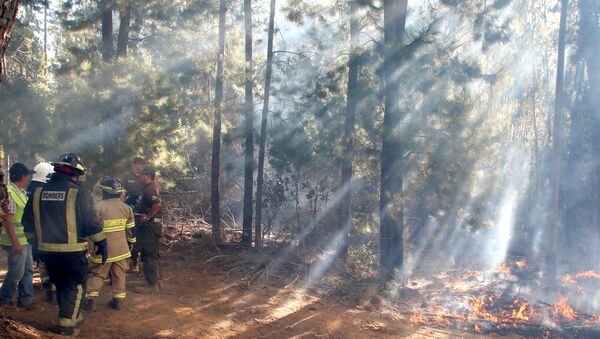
{"x":69,"y":272}
{"x":19,"y":277}
{"x":45,"y":277}
{"x":99,"y":272}
{"x":148,"y":239}
{"x":135,"y":251}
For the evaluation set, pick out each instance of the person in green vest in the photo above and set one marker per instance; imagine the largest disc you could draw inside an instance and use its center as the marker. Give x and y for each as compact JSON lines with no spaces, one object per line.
{"x":20,"y":265}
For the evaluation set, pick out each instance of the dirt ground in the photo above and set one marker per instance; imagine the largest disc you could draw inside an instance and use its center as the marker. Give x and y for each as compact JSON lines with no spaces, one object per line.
{"x":199,"y":300}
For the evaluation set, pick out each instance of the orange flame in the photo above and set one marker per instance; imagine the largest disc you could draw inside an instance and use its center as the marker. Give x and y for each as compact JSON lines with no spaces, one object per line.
{"x":479,"y":308}
{"x":522,"y":264}
{"x":588,"y":274}
{"x":417,"y":318}
{"x":504,"y":268}
{"x":567,"y":278}
{"x":561,"y":307}
{"x":439,"y":315}
{"x":520,"y":314}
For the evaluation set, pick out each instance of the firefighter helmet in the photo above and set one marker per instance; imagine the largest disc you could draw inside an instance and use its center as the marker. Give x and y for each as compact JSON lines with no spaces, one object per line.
{"x":43,"y":171}
{"x":69,"y":163}
{"x":111,"y":185}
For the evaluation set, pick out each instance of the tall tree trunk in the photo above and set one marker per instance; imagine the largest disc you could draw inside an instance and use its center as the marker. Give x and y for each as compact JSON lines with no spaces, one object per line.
{"x":107,"y":31}
{"x":263,"y":129}
{"x":46,"y":37}
{"x":108,"y":144}
{"x":590,"y":40}
{"x":351,"y":103}
{"x":249,"y":117}
{"x":391,"y":209}
{"x":553,"y":216}
{"x":124,"y":27}
{"x":8,"y":18}
{"x":216,"y":142}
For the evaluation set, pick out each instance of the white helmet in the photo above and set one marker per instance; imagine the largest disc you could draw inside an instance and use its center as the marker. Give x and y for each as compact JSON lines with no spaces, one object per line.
{"x":43,"y":170}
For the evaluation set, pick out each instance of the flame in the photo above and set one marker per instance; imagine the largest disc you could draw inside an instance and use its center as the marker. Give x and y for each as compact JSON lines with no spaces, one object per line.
{"x":439,"y":315}
{"x":466,"y":298}
{"x":417,"y":318}
{"x":520,"y":314}
{"x":567,"y":278}
{"x":458,"y":286}
{"x":561,"y":307}
{"x":479,"y":308}
{"x":588,"y":274}
{"x":504,"y":268}
{"x":522,"y":264}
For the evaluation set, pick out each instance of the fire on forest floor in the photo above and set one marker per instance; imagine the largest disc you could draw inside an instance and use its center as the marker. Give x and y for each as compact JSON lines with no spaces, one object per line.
{"x":508,"y":299}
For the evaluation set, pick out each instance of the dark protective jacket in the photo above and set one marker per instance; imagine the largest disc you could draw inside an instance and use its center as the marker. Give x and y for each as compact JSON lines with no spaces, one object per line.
{"x":32,"y":186}
{"x":59,"y":217}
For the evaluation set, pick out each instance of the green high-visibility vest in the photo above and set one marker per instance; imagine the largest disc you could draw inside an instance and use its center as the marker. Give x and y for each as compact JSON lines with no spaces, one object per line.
{"x":20,"y":200}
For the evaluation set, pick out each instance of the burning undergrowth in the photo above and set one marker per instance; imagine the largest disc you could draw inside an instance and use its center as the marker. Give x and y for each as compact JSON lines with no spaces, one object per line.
{"x":508,"y":299}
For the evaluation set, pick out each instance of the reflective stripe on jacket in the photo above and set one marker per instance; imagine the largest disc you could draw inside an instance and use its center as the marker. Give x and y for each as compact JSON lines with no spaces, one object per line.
{"x":62,"y":217}
{"x":20,"y":200}
{"x":117,"y":221}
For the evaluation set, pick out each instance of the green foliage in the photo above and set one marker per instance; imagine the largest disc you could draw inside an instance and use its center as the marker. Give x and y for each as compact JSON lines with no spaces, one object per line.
{"x":473,"y":75}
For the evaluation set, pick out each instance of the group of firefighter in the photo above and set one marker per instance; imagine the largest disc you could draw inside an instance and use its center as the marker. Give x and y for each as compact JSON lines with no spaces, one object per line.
{"x":51,"y":218}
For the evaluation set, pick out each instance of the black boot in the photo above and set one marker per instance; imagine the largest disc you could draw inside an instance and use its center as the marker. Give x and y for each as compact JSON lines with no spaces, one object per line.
{"x":90,"y":305}
{"x":116,"y":304}
{"x":62,"y":330}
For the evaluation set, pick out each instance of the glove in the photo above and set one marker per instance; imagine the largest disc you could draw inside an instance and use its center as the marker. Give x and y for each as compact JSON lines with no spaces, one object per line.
{"x":102,"y":250}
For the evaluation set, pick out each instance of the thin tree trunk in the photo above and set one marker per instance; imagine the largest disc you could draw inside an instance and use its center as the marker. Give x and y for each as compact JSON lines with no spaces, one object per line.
{"x":107,"y":31}
{"x":124,"y":27}
{"x":263,"y":130}
{"x":249,"y":117}
{"x":536,"y":142}
{"x":108,"y":143}
{"x":216,"y":142}
{"x":552,"y":261}
{"x":351,"y":103}
{"x":590,"y":39}
{"x":46,"y":37}
{"x":391,"y":210}
{"x":8,"y":17}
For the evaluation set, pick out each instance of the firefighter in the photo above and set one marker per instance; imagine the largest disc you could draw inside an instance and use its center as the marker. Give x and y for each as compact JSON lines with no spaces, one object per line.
{"x":117,"y":220}
{"x":19,"y":277}
{"x":132,"y":188}
{"x":132,"y":185}
{"x":148,"y":226}
{"x":59,"y":220}
{"x":43,"y":171}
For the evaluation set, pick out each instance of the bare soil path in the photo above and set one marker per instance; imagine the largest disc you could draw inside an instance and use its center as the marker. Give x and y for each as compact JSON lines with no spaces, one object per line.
{"x":199,"y":300}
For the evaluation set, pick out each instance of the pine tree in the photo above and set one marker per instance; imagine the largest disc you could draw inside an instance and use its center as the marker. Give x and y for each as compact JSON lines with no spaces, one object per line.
{"x":216,"y":142}
{"x":391,"y":209}
{"x":124,"y":28}
{"x":352,"y":101}
{"x":263,"y":128}
{"x":553,"y":216}
{"x":249,"y":130}
{"x":8,"y":18}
